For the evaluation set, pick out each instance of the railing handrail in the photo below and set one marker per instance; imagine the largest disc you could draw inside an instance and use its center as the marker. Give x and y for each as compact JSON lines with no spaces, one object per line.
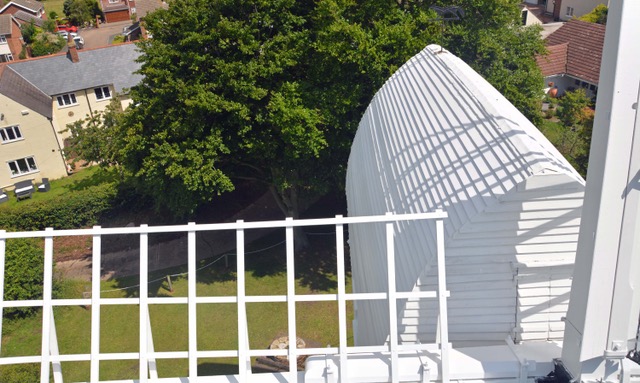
{"x":147,"y":356}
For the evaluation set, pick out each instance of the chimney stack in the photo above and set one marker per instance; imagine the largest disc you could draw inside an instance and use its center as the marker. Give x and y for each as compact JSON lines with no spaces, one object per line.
{"x":73,"y":52}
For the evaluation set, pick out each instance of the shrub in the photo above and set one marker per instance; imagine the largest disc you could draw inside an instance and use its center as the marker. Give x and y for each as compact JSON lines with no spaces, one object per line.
{"x":77,"y":209}
{"x":23,"y":273}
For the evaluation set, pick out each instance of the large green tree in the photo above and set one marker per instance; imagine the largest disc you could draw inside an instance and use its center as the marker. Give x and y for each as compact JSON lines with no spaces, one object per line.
{"x":274,"y":90}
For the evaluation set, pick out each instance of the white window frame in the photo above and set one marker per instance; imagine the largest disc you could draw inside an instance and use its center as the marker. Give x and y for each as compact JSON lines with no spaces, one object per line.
{"x":102,"y":90}
{"x":29,"y":162}
{"x":570,"y":11}
{"x":15,"y":130}
{"x":70,"y":101}
{"x":114,"y":1}
{"x":3,"y":39}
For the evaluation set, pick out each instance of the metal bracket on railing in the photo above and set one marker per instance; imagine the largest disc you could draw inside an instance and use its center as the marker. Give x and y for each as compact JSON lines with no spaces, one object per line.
{"x":330,"y":371}
{"x":425,"y":372}
{"x":525,"y":365}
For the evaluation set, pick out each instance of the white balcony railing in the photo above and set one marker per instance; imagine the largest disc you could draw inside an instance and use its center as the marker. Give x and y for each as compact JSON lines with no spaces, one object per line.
{"x":50,"y":358}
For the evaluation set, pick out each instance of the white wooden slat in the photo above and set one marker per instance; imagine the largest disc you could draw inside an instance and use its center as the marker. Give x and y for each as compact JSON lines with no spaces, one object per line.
{"x":192,"y":305}
{"x":96,"y":264}
{"x":144,"y":308}
{"x":244,"y":362}
{"x":47,"y":289}
{"x":291,"y":303}
{"x":342,"y":307}
{"x":3,"y":249}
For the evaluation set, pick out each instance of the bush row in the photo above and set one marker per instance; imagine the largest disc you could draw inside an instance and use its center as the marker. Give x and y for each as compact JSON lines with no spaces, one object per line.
{"x":73,"y":210}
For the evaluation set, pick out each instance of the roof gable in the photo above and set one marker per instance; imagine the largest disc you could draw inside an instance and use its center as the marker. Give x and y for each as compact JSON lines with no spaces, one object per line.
{"x":584,"y":48}
{"x":23,"y":92}
{"x":28,"y":17}
{"x":30,"y":5}
{"x":57,"y":74}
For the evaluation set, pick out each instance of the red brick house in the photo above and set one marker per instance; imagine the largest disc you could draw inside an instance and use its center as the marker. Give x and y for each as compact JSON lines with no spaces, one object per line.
{"x":32,"y":7}
{"x":10,"y":38}
{"x":573,"y":61}
{"x":116,"y":10}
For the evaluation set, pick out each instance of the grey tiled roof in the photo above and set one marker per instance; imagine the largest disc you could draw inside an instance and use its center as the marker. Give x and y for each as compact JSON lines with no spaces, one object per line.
{"x":5,"y":24}
{"x":28,"y":17}
{"x":98,"y":67}
{"x":29,"y":4}
{"x":143,"y":7}
{"x":21,"y":91}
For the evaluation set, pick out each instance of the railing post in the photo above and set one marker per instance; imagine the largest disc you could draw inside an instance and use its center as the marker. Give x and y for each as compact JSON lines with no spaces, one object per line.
{"x":191,"y":280}
{"x":46,"y":305}
{"x":3,"y":249}
{"x":393,"y":314}
{"x":442,"y":301}
{"x":244,"y":362}
{"x":291,"y":303}
{"x":342,"y":308}
{"x":144,"y":308}
{"x":96,"y":260}
{"x":55,"y":351}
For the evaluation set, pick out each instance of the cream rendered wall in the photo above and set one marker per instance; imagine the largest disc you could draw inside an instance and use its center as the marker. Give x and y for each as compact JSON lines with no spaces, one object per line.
{"x":38,"y":141}
{"x":87,"y":105}
{"x":580,"y":7}
{"x":63,"y":115}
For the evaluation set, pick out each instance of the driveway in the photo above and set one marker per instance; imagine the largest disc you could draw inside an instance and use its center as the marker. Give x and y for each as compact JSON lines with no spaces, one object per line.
{"x":102,"y":36}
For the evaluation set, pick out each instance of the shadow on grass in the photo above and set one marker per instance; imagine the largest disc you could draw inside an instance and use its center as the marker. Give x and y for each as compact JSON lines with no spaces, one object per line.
{"x":97,"y":177}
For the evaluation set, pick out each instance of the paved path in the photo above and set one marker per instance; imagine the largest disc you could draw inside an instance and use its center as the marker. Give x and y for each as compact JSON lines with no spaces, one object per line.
{"x":102,"y":36}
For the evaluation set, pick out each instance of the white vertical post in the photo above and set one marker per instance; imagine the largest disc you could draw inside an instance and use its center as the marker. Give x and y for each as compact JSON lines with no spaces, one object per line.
{"x":3,"y":249}
{"x":46,"y":304}
{"x":605,"y":300}
{"x":144,"y":308}
{"x":342,"y":308}
{"x":442,"y":301}
{"x":193,"y":329}
{"x":244,"y":362}
{"x":95,"y":306}
{"x":393,"y":314}
{"x":153,"y":367}
{"x":291,"y":303}
{"x":55,"y":351}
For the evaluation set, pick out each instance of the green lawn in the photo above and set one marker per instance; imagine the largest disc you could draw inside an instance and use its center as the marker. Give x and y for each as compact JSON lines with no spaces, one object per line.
{"x":81,"y":180}
{"x":553,"y":130}
{"x":317,"y":322}
{"x":53,"y":5}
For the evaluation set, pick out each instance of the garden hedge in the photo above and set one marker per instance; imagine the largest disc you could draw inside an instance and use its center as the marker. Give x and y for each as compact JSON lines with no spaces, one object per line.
{"x":80,"y":208}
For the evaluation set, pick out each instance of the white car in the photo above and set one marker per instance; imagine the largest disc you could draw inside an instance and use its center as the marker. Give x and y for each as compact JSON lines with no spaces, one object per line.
{"x":65,"y":34}
{"x":79,"y":41}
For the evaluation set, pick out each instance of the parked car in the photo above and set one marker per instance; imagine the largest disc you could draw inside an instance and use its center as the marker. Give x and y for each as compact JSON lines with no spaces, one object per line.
{"x":66,"y":34}
{"x":68,"y":28}
{"x":79,"y":41}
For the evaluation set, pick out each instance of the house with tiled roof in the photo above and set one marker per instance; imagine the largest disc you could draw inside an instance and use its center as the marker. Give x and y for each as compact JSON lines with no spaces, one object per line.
{"x":42,"y":95}
{"x":574,"y":55}
{"x":10,"y":38}
{"x":26,"y":18}
{"x":35,"y":8}
{"x":143,"y":7}
{"x":116,"y":10}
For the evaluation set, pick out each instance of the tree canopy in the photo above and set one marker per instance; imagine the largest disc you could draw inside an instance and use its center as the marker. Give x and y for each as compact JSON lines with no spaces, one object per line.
{"x":597,"y":15}
{"x":273,"y":90}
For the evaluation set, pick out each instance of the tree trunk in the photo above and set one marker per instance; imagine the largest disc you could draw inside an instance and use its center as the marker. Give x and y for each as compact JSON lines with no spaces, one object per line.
{"x":289,"y":203}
